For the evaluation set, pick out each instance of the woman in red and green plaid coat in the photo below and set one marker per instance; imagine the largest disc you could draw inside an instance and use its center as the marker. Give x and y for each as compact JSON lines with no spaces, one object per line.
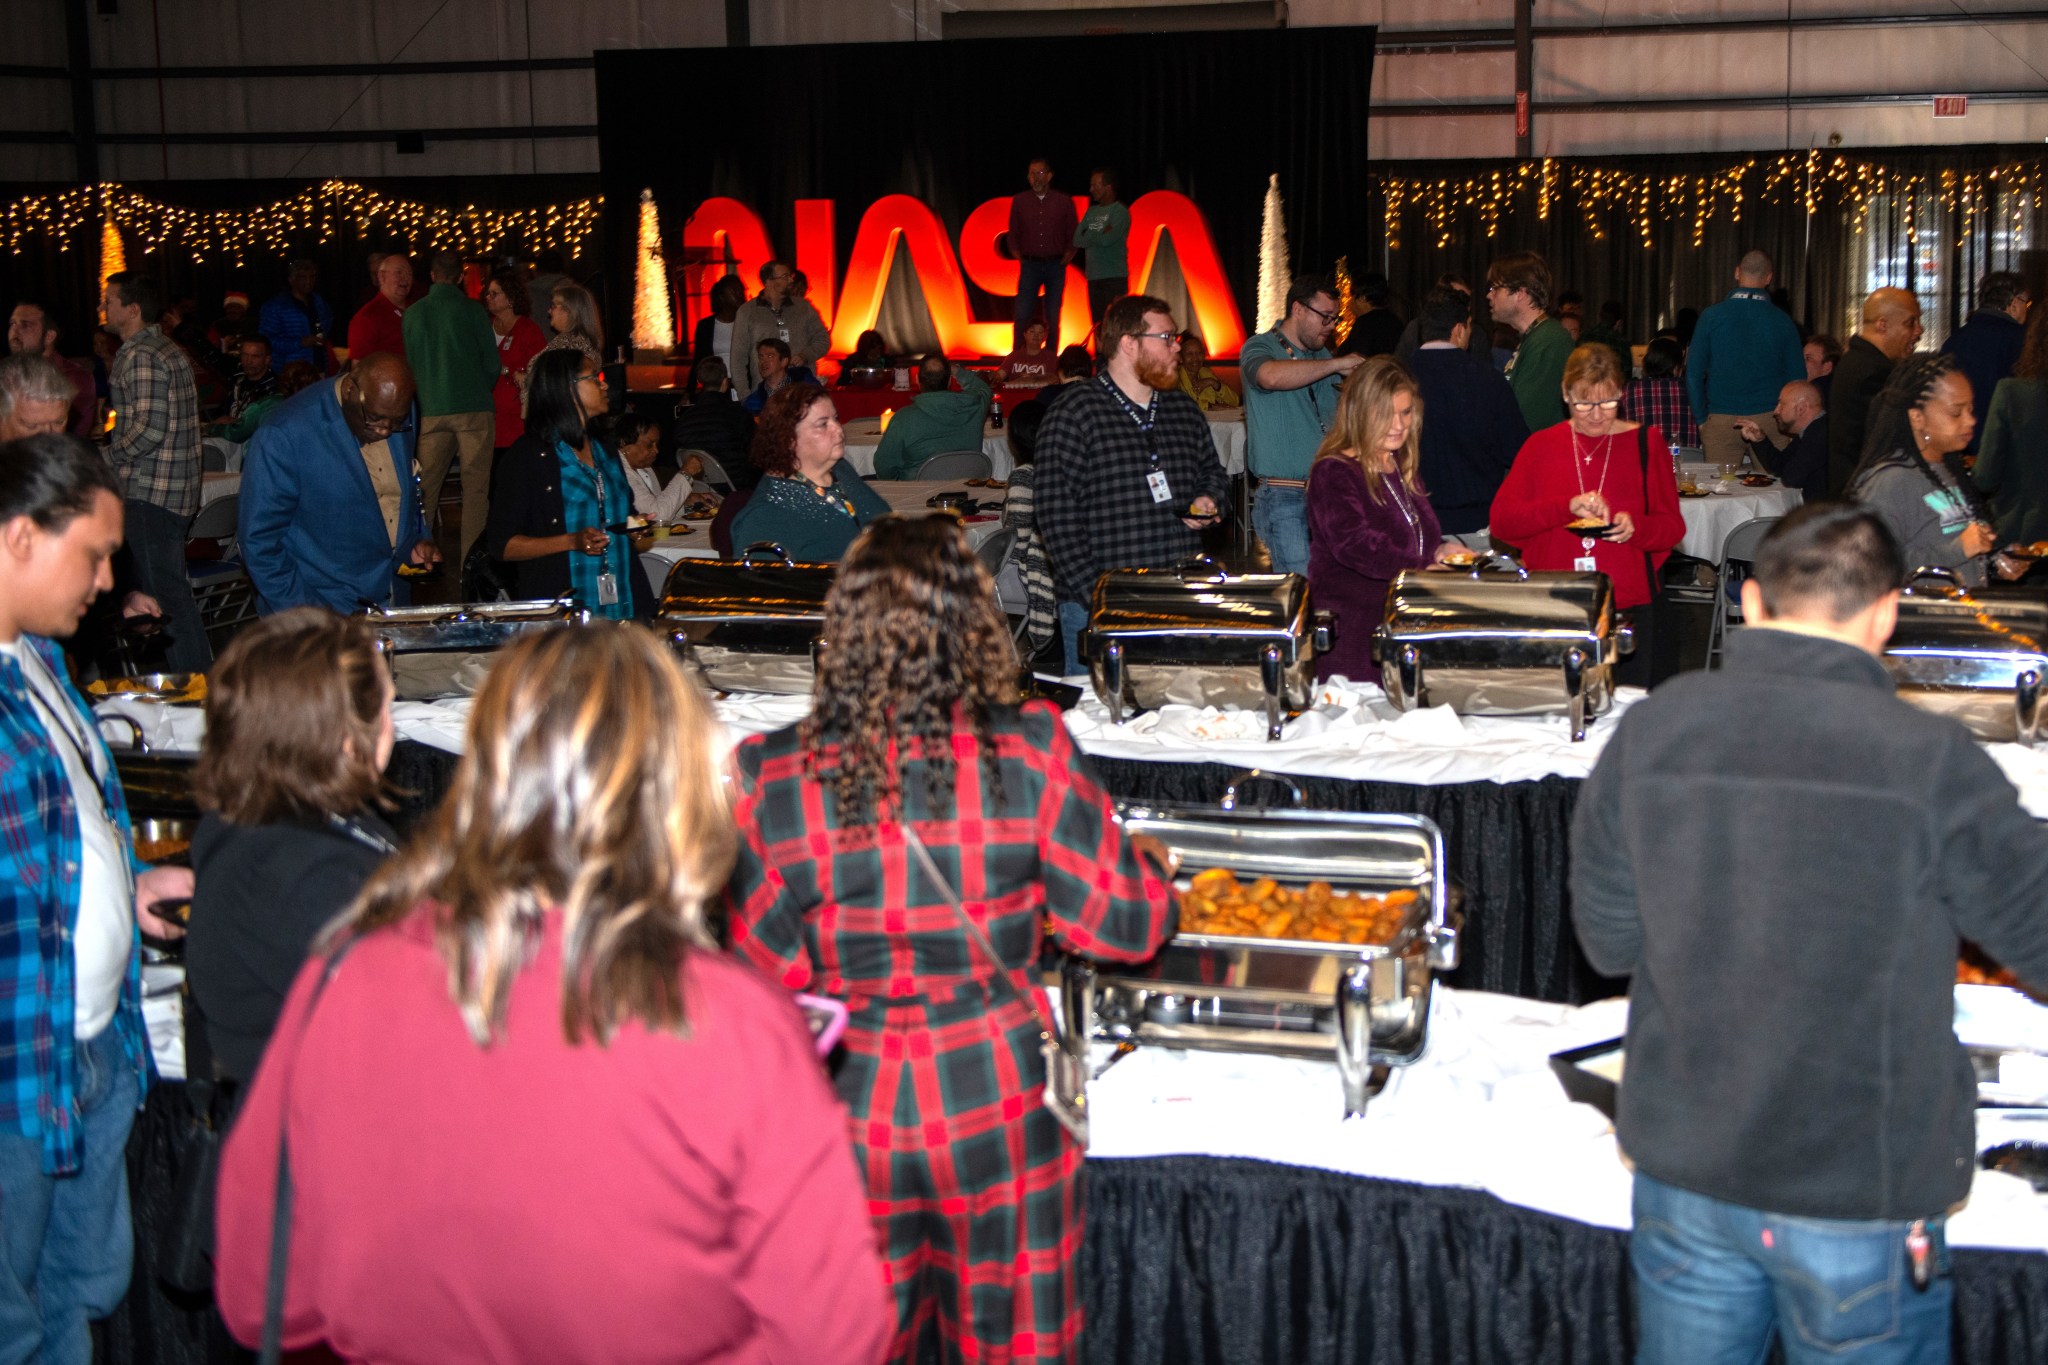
{"x":972,"y":1185}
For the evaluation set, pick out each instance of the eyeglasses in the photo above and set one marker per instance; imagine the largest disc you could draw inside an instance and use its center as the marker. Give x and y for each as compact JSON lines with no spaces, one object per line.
{"x":594,"y":377}
{"x":1326,"y":317}
{"x":1493,"y":289}
{"x":1158,"y":336}
{"x":1588,"y":404}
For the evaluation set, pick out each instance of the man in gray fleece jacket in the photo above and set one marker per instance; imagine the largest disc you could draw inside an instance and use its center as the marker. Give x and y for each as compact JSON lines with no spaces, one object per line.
{"x":1783,"y":855}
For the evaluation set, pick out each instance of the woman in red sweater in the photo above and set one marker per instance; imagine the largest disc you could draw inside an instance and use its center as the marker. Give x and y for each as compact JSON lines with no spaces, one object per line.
{"x":1595,"y":469}
{"x":534,"y":1115}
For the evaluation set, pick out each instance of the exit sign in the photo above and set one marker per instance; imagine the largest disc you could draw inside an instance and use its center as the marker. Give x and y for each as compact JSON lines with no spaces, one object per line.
{"x":1951,"y":106}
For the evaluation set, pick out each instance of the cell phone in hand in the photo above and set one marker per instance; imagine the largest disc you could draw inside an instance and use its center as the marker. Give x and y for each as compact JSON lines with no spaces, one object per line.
{"x":827,"y":1019}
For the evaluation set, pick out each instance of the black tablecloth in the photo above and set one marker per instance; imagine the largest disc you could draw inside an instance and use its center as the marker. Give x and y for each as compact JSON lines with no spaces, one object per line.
{"x":1190,"y":1260}
{"x":1508,"y":848}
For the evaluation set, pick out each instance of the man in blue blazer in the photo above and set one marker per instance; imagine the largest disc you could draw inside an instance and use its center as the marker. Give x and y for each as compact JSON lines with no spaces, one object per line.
{"x":330,"y":501}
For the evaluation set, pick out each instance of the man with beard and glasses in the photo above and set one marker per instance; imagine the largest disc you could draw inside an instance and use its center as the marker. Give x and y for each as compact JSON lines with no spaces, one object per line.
{"x":1127,"y":472}
{"x":1290,"y":397}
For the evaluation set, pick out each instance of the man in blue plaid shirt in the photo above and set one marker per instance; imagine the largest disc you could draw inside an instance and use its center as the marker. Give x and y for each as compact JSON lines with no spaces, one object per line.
{"x":74,"y":1056}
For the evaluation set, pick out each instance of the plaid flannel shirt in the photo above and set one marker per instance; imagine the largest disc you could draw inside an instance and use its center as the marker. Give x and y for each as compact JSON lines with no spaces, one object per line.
{"x":972,"y":1186}
{"x":1662,"y":403}
{"x":1095,"y":509}
{"x":157,"y":434}
{"x":40,"y":853}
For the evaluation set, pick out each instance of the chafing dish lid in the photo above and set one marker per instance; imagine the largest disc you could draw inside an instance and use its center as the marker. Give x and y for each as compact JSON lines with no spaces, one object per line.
{"x":507,"y":613}
{"x":1496,"y":604}
{"x":2001,"y":621}
{"x":746,"y":590}
{"x":1198,"y":599}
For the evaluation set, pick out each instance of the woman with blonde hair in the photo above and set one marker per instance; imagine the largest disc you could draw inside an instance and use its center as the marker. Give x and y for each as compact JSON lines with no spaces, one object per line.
{"x":1596,"y":493}
{"x":531,"y":1112}
{"x":1368,"y":514}
{"x":915,"y":781}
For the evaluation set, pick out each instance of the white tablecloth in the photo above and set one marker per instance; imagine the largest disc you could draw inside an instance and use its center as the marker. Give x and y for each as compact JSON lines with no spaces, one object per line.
{"x":1708,"y":520}
{"x":215,"y":484}
{"x":1226,"y":429}
{"x":1481,"y":1109}
{"x":864,"y":437}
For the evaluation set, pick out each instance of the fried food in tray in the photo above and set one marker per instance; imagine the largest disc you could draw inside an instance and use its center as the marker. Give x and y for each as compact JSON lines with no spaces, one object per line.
{"x":158,"y":850}
{"x":1216,"y":902}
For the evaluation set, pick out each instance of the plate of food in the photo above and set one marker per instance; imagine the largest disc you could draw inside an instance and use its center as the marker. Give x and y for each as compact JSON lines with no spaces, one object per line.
{"x":1589,"y":526}
{"x":681,"y":530}
{"x":997,"y":484}
{"x":1461,"y":559}
{"x":1757,"y":481}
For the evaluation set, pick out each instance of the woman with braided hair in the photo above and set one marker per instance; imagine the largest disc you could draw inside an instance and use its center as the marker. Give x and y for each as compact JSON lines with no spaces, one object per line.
{"x":1923,"y":415}
{"x":916,"y":797}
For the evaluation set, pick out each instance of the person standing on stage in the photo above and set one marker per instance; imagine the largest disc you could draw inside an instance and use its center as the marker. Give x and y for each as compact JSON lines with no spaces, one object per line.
{"x":1103,"y":232}
{"x":1290,"y":399}
{"x":1042,"y":239}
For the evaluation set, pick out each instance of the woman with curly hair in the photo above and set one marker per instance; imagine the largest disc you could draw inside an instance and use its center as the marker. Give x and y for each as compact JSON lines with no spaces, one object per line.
{"x":809,"y":503}
{"x":916,"y":760}
{"x":1923,"y":415}
{"x":597,"y":1136}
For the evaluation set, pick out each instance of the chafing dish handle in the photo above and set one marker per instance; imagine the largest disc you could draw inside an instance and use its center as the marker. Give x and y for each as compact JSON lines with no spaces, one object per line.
{"x":1411,"y":674}
{"x":1204,"y":569}
{"x":1325,"y":634}
{"x":140,"y":743}
{"x":1575,"y":690}
{"x":1492,"y":557}
{"x":1230,"y":798}
{"x":1354,"y":1037}
{"x":1273,"y":679}
{"x":2026,"y":703}
{"x":767,"y":547}
{"x":1936,"y":572}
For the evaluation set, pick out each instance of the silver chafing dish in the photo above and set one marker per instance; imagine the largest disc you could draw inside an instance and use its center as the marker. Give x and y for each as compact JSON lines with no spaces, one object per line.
{"x":749,"y":624}
{"x":1980,"y":656}
{"x":1502,"y":642}
{"x":471,"y":627}
{"x":1366,"y":1005}
{"x":1198,"y":636}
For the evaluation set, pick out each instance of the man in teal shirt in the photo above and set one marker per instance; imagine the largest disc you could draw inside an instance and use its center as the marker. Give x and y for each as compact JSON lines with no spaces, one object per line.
{"x":454,"y":357}
{"x":1103,"y":233}
{"x":1744,"y":352}
{"x":1290,"y":399}
{"x":1518,"y":291}
{"x":937,"y":420}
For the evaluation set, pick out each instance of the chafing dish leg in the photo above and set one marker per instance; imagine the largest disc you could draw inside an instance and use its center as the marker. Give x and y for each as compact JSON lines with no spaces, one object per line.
{"x":2026,"y":702}
{"x":1354,"y":1039}
{"x":1274,"y":680}
{"x":1575,"y":689}
{"x":1113,"y":680}
{"x":1411,"y":675}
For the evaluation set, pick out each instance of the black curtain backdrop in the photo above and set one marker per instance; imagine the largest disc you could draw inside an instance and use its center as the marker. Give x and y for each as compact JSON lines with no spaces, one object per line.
{"x":66,"y":278}
{"x":1209,"y":115}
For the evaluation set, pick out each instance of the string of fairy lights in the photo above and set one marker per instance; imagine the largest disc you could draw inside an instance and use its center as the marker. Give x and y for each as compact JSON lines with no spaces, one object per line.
{"x":1650,"y":200}
{"x":79,"y":217}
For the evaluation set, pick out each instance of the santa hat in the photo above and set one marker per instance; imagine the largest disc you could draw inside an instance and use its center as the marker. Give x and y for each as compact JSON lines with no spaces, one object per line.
{"x":234,"y":296}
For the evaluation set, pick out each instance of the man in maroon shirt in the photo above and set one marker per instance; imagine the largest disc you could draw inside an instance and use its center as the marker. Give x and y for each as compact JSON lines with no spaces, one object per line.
{"x":1042,"y":239}
{"x":379,"y":325}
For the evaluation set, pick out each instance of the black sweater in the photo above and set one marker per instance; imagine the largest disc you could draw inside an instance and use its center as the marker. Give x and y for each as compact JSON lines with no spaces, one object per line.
{"x":1471,"y":429}
{"x":262,"y":894}
{"x":1783,"y":854}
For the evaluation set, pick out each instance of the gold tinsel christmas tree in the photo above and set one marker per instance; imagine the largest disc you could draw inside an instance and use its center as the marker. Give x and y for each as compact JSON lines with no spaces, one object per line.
{"x":113,"y":260}
{"x":1344,"y":318}
{"x":1274,"y":274}
{"x":653,"y":323}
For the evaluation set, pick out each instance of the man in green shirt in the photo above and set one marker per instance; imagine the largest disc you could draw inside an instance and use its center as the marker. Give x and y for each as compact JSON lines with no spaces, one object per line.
{"x":1102,"y":233}
{"x":1290,"y":399}
{"x":1518,"y":290}
{"x":454,"y":357}
{"x":937,"y":421}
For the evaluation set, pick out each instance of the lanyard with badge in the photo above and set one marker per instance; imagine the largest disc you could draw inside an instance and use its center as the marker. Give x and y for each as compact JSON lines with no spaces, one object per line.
{"x":607,"y":582}
{"x":73,"y":739}
{"x":1146,"y":418}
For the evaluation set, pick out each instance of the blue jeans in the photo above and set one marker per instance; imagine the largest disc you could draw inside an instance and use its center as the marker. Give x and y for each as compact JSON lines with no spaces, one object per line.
{"x":1032,"y":276}
{"x":1280,"y":519}
{"x":1714,"y":1280}
{"x":1073,"y":620}
{"x":66,"y":1238}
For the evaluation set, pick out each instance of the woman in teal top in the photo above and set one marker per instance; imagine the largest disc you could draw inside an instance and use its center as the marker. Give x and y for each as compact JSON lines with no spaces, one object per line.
{"x":559,"y":496}
{"x":810,"y":504}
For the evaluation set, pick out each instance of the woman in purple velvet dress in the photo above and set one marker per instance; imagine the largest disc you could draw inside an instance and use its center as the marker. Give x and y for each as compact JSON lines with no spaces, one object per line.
{"x":1368,"y":516}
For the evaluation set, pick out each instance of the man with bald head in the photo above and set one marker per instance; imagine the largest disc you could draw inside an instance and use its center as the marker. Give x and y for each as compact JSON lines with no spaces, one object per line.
{"x":330,"y":493}
{"x":1802,"y":420}
{"x":1890,"y":331}
{"x":1744,"y":351}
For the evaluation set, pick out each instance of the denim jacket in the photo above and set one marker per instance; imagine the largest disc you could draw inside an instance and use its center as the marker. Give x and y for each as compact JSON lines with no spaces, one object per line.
{"x":40,"y":856}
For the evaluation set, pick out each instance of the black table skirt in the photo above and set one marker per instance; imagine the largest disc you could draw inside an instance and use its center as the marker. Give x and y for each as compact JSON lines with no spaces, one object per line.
{"x":1508,"y":846}
{"x":1200,"y":1260}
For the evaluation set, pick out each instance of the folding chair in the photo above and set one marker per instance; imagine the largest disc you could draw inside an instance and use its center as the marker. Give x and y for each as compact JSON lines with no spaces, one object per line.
{"x":1738,"y":548}
{"x":954,"y":464}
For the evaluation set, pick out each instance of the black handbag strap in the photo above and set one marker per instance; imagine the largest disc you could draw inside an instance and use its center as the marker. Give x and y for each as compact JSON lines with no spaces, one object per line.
{"x":281,"y":1206}
{"x":1656,"y":588}
{"x":975,"y":933}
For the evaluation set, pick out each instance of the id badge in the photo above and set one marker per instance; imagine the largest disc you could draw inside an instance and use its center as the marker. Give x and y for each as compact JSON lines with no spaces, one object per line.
{"x":1156,"y":481}
{"x":607,"y":590}
{"x":1584,"y":564}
